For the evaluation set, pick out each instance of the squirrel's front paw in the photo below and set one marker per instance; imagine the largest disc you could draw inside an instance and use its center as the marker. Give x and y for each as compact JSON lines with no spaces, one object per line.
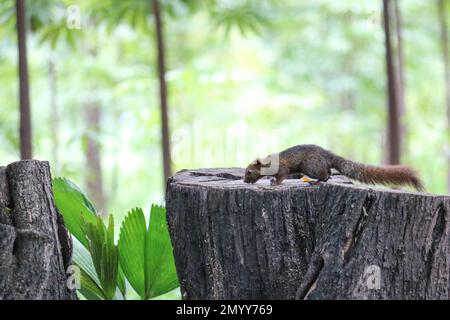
{"x":273,"y":182}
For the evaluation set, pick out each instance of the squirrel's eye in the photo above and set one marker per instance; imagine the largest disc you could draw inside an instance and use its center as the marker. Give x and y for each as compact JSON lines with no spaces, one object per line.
{"x":249,"y":172}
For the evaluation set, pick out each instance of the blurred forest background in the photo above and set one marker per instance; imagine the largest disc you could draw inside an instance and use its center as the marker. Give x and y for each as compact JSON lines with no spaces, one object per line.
{"x":245,"y":78}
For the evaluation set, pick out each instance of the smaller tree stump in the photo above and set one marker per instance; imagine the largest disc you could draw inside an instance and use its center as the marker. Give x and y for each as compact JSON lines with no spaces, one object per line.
{"x":35,"y":248}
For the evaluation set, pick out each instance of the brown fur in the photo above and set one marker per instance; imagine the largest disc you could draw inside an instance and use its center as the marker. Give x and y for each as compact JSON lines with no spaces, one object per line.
{"x":392,"y":175}
{"x":316,"y":163}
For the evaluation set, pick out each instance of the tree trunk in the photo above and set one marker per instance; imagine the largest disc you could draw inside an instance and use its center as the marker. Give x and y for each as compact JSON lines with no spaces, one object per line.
{"x":401,"y":77}
{"x":394,"y":85}
{"x":35,"y":248}
{"x":333,"y":241}
{"x":167,"y":161}
{"x":24,"y":98}
{"x":445,"y":52}
{"x":54,"y":114}
{"x":93,"y":161}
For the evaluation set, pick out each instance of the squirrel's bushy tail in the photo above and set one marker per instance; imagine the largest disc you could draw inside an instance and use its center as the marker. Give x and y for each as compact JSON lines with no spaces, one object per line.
{"x":396,"y":175}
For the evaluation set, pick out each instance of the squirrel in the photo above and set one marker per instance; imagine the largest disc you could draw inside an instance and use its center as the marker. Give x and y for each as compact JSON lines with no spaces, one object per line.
{"x":316,"y":162}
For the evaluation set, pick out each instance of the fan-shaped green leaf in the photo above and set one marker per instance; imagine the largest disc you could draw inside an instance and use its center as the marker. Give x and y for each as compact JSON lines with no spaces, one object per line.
{"x":90,"y":285}
{"x":82,"y":258}
{"x":160,"y":273}
{"x":104,"y":254}
{"x":89,"y":288}
{"x":131,"y":249}
{"x":146,"y":254}
{"x":121,"y":284}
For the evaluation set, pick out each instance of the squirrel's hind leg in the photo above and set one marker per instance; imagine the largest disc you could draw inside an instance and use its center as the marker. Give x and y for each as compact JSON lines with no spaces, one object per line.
{"x":317,"y":168}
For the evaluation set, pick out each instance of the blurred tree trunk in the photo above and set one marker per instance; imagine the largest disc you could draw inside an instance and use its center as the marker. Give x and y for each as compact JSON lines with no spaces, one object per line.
{"x":394,"y":83}
{"x":25,"y":113}
{"x":94,"y":179}
{"x":93,"y":160}
{"x":54,"y":113}
{"x":115,"y":157}
{"x":401,"y":72}
{"x":162,"y":91}
{"x":445,"y":51}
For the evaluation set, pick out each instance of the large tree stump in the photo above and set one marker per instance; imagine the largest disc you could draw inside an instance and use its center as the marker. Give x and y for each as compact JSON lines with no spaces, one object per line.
{"x":34,"y":245}
{"x":333,"y":241}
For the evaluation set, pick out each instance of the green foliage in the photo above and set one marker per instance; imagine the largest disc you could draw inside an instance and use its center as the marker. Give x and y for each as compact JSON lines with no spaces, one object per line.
{"x":143,"y":256}
{"x":132,"y":250}
{"x":104,"y":254}
{"x":90,"y":290}
{"x":90,"y":284}
{"x":76,"y":208}
{"x":146,"y":254}
{"x":247,"y":16}
{"x":159,"y":277}
{"x":37,"y":13}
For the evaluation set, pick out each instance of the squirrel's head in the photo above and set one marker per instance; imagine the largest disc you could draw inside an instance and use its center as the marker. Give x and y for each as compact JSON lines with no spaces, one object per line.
{"x":253,"y":172}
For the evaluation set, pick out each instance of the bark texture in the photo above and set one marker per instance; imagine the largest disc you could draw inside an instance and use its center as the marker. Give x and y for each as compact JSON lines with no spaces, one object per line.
{"x":333,"y":241}
{"x":35,"y":248}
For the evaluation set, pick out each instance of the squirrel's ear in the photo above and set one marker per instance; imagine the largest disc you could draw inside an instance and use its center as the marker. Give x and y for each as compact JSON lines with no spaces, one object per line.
{"x":264,"y":161}
{"x":258,"y":162}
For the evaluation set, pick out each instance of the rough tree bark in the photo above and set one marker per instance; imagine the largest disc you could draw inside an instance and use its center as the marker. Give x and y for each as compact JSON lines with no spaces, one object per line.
{"x":333,"y":241}
{"x":35,"y":248}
